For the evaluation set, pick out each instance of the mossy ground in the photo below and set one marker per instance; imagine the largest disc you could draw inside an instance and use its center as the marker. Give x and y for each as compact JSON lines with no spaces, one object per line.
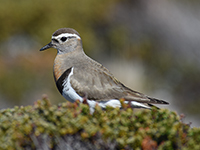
{"x":71,"y":126}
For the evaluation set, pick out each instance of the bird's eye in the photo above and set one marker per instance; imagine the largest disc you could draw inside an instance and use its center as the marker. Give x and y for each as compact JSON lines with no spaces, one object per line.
{"x":63,"y":39}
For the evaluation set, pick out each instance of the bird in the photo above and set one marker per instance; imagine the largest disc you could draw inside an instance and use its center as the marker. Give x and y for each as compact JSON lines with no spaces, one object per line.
{"x":79,"y":77}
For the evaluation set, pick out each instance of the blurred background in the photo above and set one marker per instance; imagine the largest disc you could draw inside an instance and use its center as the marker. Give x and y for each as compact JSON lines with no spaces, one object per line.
{"x":151,"y":46}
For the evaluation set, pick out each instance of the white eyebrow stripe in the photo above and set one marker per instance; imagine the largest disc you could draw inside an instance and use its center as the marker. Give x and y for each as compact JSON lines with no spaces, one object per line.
{"x":66,"y":35}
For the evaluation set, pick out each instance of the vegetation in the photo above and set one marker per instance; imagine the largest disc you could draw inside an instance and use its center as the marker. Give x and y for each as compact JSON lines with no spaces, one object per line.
{"x":70,"y":125}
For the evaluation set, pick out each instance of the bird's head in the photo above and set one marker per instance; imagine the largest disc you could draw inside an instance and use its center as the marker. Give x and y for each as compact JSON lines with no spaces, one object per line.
{"x":64,"y":40}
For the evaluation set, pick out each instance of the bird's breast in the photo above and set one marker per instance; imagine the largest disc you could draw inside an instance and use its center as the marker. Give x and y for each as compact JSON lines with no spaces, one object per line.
{"x":59,"y":66}
{"x":57,"y":71}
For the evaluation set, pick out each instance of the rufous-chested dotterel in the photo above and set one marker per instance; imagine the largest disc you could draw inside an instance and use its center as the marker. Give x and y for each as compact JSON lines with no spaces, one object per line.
{"x":77,"y":76}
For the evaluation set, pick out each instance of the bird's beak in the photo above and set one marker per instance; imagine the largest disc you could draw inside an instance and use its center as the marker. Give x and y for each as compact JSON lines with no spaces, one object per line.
{"x":46,"y":46}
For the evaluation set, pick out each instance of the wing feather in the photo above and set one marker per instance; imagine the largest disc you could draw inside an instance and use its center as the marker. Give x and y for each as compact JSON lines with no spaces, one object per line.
{"x":97,"y":83}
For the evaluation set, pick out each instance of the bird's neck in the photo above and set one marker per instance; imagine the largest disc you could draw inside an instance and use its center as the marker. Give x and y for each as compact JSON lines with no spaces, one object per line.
{"x":65,"y":61}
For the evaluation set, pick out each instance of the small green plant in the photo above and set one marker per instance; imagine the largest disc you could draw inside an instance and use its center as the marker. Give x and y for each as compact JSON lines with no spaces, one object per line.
{"x":46,"y":126}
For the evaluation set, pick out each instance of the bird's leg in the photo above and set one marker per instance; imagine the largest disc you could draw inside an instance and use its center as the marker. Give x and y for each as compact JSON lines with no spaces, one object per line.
{"x":85,"y":99}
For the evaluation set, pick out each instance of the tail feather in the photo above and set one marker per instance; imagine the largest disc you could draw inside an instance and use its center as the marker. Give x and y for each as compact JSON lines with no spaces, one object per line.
{"x":145,"y":99}
{"x":153,"y":106}
{"x":157,"y":101}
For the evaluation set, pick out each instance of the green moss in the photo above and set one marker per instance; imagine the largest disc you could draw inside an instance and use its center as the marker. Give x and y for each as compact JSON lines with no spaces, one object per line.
{"x":45,"y":124}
